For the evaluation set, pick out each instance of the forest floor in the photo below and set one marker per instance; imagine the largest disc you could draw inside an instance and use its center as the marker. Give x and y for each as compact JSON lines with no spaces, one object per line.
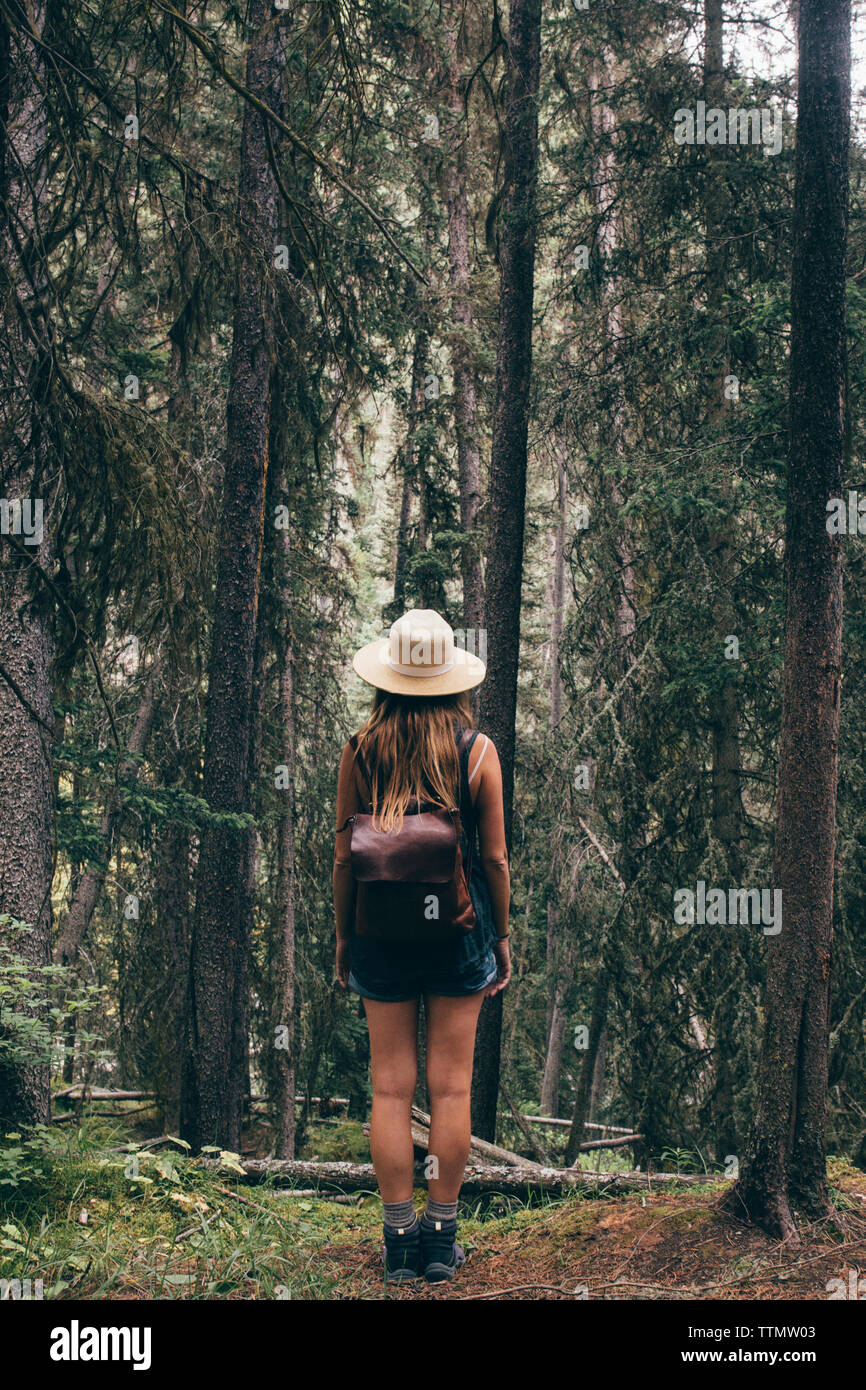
{"x":94,"y":1223}
{"x":657,"y":1245}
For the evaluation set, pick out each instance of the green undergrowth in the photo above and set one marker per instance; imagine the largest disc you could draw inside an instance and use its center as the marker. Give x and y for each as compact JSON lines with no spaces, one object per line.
{"x":80,"y":1221}
{"x":90,"y":1223}
{"x":159,"y":1224}
{"x":339,"y":1141}
{"x":87,"y":1223}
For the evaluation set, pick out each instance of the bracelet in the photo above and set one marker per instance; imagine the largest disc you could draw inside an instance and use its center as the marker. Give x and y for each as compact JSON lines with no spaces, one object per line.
{"x":503,"y":938}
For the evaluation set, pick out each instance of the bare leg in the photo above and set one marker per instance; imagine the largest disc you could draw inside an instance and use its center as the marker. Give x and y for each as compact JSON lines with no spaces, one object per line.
{"x":394,"y":1066}
{"x":451,"y":1025}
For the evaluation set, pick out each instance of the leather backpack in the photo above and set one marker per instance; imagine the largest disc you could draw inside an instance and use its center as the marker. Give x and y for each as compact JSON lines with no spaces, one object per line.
{"x":412,"y":886}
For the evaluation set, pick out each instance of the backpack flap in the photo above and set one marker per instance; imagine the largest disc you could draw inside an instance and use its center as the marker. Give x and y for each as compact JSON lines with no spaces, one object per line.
{"x":423,"y":850}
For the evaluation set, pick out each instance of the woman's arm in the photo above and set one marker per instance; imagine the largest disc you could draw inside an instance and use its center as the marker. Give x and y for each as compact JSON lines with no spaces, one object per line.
{"x":490,"y":815}
{"x":348,"y":802}
{"x":491,"y":836}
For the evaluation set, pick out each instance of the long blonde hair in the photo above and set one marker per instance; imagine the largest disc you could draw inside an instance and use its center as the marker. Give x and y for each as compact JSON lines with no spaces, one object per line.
{"x":409,"y":739}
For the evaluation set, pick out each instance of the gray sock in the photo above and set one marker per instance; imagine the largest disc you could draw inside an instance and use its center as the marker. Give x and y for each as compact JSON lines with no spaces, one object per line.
{"x":399,"y":1216}
{"x":440,"y":1211}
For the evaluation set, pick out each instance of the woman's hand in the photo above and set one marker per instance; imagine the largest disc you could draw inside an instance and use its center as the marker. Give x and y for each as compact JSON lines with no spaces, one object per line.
{"x":343,"y":963}
{"x":503,"y":961}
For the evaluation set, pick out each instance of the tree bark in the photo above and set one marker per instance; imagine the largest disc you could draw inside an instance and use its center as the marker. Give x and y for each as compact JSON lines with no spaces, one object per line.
{"x":599,"y":1073}
{"x":556,"y":1036}
{"x":402,"y":545}
{"x":412,"y":468}
{"x":284,"y":1079}
{"x":508,"y":468}
{"x":558,"y":594}
{"x":561,"y":962}
{"x":214,"y":1082}
{"x":561,"y":954}
{"x":785,"y":1165}
{"x":173,"y":894}
{"x":468,"y":455}
{"x":28,"y":474}
{"x":598,"y":1021}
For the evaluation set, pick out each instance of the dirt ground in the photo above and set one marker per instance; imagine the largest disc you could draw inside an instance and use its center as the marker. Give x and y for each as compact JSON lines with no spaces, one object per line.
{"x":665,"y":1246}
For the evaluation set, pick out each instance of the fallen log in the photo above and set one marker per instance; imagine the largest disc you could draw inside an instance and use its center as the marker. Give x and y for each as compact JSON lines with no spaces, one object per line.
{"x":314,"y":1100}
{"x":481,"y":1147}
{"x":479,"y":1151}
{"x":104,"y":1093}
{"x":610,"y":1143}
{"x":553,"y":1120}
{"x":344,"y":1197}
{"x":100,"y":1093}
{"x":361,"y":1177}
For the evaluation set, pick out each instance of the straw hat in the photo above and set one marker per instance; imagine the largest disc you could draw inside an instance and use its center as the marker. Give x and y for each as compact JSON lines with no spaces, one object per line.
{"x":419,"y":658}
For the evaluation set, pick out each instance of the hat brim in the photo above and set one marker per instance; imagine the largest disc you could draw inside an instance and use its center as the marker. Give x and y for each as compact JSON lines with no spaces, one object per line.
{"x":371,"y":665}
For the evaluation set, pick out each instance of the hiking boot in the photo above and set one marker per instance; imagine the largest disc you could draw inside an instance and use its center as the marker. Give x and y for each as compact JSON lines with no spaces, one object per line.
{"x":440,"y":1254}
{"x":402,"y":1254}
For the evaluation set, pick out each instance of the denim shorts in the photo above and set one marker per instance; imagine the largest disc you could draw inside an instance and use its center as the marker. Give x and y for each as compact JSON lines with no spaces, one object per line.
{"x":393,"y":973}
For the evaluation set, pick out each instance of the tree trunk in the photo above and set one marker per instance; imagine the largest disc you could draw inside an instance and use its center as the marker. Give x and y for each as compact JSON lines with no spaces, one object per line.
{"x":28,"y":476}
{"x":284,"y":1071}
{"x":411,"y":472}
{"x":214,"y":1079}
{"x":402,"y":545}
{"x":173,"y":885}
{"x":555,"y":1044}
{"x":468,"y":456}
{"x":560,"y":954}
{"x":786,"y":1165}
{"x":597,"y":1028}
{"x":508,"y":468}
{"x":558,"y":594}
{"x":253,"y":840}
{"x":599,"y":1074}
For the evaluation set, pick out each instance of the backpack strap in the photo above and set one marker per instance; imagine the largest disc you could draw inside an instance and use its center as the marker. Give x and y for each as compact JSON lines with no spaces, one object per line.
{"x":465,"y":740}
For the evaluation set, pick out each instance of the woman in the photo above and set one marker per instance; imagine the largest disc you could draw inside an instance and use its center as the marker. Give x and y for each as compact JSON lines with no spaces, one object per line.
{"x":411,"y":747}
